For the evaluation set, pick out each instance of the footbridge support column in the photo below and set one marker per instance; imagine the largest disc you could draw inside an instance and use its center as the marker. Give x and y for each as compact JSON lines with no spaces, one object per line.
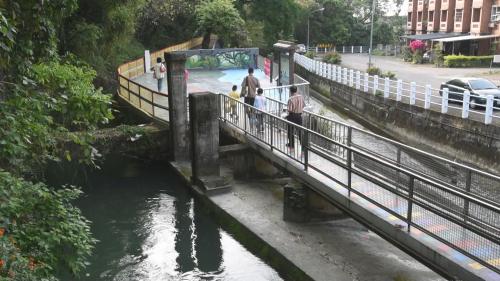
{"x":204,"y":128}
{"x":177,"y":105}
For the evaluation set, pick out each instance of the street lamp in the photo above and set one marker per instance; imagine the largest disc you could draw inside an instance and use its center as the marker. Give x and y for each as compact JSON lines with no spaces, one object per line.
{"x":308,"y":17}
{"x":371,"y":35}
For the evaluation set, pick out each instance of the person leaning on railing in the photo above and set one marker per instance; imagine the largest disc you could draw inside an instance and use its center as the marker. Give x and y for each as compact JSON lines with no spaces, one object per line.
{"x":296,"y":106}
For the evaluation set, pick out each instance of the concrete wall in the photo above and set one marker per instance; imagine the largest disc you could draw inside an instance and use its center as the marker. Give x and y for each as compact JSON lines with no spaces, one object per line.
{"x":461,"y":139}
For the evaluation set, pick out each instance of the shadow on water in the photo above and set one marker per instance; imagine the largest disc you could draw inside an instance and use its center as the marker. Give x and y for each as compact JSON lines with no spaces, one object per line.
{"x":151,"y":228}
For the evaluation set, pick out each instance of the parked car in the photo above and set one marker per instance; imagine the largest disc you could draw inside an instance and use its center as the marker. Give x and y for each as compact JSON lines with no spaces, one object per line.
{"x":479,"y":89}
{"x":301,"y":49}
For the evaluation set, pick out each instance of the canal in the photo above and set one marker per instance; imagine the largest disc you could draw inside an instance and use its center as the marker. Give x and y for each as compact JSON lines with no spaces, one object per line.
{"x":149,"y":227}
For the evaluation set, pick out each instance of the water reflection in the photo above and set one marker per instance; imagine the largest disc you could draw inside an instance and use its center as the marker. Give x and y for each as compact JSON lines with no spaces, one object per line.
{"x":150,"y":228}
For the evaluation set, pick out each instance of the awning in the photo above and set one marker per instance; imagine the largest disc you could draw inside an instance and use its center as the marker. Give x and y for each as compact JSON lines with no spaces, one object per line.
{"x":431,"y":36}
{"x":465,"y":38}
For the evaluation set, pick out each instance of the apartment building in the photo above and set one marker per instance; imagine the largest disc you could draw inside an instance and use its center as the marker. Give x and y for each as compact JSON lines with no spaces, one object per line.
{"x":469,"y":27}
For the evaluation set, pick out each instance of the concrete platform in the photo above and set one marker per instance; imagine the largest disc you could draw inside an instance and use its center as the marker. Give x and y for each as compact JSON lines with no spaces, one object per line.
{"x":330,"y":250}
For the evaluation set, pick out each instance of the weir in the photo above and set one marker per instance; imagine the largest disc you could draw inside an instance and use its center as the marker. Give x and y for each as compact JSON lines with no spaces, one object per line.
{"x":435,"y":209}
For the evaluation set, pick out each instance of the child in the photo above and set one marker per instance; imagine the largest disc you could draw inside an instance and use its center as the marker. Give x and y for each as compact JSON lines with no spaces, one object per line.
{"x":260,"y":103}
{"x":234,"y":95}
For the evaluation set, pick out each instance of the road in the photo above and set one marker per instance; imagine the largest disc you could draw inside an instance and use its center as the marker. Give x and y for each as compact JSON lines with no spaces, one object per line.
{"x":420,"y":73}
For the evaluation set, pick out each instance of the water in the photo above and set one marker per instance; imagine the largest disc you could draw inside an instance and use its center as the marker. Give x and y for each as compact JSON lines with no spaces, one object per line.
{"x":150,"y":228}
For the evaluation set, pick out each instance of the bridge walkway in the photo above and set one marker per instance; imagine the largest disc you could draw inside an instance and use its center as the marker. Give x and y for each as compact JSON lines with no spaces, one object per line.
{"x":416,"y":209}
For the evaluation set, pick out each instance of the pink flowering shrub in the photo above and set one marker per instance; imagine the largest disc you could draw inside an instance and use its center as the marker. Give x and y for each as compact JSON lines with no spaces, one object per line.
{"x":417,"y":45}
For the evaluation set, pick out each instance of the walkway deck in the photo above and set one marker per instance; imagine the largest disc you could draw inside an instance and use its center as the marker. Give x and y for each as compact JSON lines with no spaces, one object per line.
{"x":364,"y":200}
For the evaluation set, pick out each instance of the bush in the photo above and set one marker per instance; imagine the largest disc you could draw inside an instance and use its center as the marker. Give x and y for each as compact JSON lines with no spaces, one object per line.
{"x":407,"y":54}
{"x":389,"y":74}
{"x":378,"y":52}
{"x":310,"y":54}
{"x":377,"y":71}
{"x":467,"y":61}
{"x":332,"y":57}
{"x":418,"y":57}
{"x":438,"y":56}
{"x":373,"y":70}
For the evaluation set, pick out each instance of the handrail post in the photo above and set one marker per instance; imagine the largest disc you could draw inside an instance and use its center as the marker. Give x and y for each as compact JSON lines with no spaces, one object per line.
{"x":271,"y":129}
{"x":128,"y":89}
{"x":349,"y":162}
{"x":305,"y":147}
{"x":387,"y":87}
{"x":468,"y":181}
{"x":428,"y":96}
{"x":488,"y":112}
{"x":399,"y":90}
{"x":375,"y":84}
{"x":413,"y":93}
{"x":366,"y":82}
{"x":140,"y":97}
{"x":410,"y":202}
{"x":444,"y":100}
{"x":465,"y":105}
{"x":153,"y":102}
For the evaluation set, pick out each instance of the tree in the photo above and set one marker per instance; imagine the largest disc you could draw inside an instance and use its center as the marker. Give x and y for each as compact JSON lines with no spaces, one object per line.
{"x":220,"y":17}
{"x":41,"y":232}
{"x":166,"y":22}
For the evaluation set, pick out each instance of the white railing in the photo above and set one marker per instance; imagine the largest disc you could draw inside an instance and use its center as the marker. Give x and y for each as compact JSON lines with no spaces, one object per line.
{"x":387,"y":49}
{"x":444,"y":100}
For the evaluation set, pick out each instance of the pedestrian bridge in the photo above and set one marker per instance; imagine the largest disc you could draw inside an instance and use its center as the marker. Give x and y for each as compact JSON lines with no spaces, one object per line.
{"x":444,"y":213}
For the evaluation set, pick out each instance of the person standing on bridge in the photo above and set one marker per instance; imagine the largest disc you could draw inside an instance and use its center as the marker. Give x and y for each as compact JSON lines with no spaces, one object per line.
{"x":159,"y":71}
{"x":248,"y":90}
{"x":295,"y":106}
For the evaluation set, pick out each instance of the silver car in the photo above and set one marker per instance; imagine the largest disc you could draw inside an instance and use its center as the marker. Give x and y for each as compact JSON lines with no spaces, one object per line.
{"x":479,"y":89}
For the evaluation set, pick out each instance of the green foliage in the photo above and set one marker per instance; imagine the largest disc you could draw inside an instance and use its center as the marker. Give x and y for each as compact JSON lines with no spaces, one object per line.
{"x":438,"y":55}
{"x":391,"y":75}
{"x":278,"y":19}
{"x":418,"y":57}
{"x":34,"y":119}
{"x":378,"y":52}
{"x":31,"y":29}
{"x":406,"y":53}
{"x":373,"y":70}
{"x":332,"y":57}
{"x":41,"y":229}
{"x":310,"y":54}
{"x":76,"y":104}
{"x":467,"y":61}
{"x":222,"y":18}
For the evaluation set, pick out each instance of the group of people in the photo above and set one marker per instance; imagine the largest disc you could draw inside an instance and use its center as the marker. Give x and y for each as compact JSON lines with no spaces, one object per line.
{"x":252,"y":93}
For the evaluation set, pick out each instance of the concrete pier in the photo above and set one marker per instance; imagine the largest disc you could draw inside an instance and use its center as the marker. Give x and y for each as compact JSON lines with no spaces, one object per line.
{"x":177,"y":105}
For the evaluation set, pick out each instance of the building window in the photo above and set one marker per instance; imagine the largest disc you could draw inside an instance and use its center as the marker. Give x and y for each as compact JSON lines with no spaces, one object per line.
{"x":419,"y":16}
{"x":444,"y":15}
{"x":459,"y":15}
{"x":495,"y":13}
{"x":409,"y":16}
{"x":431,"y":16}
{"x":476,"y":14}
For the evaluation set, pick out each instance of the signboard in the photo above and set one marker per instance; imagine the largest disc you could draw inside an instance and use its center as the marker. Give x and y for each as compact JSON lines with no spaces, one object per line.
{"x":267,"y":67}
{"x":147,"y":61}
{"x":496,"y":59}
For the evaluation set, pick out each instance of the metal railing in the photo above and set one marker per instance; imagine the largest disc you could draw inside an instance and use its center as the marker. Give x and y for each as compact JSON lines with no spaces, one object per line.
{"x":444,"y":100}
{"x":338,"y":152}
{"x":142,"y":97}
{"x":478,"y":183}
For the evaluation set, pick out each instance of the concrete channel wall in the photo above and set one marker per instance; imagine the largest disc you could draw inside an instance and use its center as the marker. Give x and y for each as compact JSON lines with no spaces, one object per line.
{"x":461,"y":139}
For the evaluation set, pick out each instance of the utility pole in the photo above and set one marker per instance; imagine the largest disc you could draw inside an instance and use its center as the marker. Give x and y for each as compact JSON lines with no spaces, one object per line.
{"x":308,"y":18}
{"x":371,"y":34}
